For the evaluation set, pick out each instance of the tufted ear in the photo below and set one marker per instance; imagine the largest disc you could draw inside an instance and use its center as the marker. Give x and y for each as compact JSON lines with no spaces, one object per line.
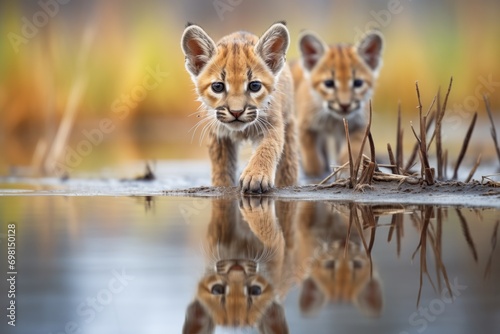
{"x":198,"y":321}
{"x":370,"y":299}
{"x":312,"y":48}
{"x":370,"y":49}
{"x":273,"y":45}
{"x":312,"y":298}
{"x":273,"y":321}
{"x":198,"y":48}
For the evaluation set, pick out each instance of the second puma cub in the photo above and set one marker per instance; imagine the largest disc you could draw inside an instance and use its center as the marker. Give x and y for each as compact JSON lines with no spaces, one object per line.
{"x":333,"y":82}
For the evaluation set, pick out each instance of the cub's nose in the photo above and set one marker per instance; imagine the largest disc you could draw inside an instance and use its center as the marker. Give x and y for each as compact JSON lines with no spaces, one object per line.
{"x":345,"y":107}
{"x":236,"y":113}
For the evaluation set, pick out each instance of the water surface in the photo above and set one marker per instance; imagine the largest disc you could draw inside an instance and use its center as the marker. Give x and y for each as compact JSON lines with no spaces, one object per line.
{"x":134,"y":264}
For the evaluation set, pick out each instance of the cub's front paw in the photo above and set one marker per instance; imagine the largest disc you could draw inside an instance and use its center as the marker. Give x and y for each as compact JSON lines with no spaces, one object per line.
{"x":255,"y":182}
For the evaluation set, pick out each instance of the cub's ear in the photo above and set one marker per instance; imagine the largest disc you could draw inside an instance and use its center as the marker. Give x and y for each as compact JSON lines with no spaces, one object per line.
{"x":273,"y":321}
{"x":198,"y":48}
{"x":198,"y":321}
{"x":312,"y":48}
{"x":312,"y":298}
{"x":272,"y":46}
{"x":370,"y":49}
{"x":370,"y":299}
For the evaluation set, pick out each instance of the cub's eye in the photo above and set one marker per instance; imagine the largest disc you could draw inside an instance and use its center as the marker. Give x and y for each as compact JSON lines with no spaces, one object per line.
{"x":254,"y":86}
{"x":357,"y":83}
{"x":330,"y":264}
{"x":218,"y":87}
{"x":357,"y":264}
{"x":329,"y":83}
{"x":218,"y":289}
{"x":254,"y":290}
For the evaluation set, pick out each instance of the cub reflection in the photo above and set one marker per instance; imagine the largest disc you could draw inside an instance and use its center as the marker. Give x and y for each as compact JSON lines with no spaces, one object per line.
{"x":245,"y":258}
{"x":335,"y":260}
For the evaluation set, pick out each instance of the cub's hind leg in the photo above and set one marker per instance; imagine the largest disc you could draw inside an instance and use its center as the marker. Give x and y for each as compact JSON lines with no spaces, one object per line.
{"x":223,"y":154}
{"x":288,"y":168}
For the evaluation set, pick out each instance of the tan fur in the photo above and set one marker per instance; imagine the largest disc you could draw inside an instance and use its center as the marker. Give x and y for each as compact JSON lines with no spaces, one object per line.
{"x":320,"y":108}
{"x":246,"y":247}
{"x":329,"y":276}
{"x":236,"y":114}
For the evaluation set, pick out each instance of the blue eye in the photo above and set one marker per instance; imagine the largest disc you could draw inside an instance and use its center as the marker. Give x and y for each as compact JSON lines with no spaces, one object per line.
{"x":218,"y":87}
{"x":329,"y":83}
{"x":254,"y":86}
{"x":357,"y":83}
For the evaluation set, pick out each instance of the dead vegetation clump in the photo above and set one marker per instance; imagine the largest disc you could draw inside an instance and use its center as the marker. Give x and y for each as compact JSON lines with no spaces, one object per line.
{"x":364,"y":170}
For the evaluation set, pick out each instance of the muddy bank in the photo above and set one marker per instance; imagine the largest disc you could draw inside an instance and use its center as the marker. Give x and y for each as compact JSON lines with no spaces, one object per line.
{"x":192,"y":178}
{"x":473,"y":194}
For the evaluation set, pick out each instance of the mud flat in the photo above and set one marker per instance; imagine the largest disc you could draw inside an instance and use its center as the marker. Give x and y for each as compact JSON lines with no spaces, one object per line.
{"x":472,"y":194}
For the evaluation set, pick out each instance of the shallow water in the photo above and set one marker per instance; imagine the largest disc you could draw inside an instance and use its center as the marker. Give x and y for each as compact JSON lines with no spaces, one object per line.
{"x":133,"y":264}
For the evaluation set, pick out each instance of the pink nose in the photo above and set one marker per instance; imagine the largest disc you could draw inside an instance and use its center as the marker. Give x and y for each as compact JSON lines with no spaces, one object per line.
{"x":236,"y":113}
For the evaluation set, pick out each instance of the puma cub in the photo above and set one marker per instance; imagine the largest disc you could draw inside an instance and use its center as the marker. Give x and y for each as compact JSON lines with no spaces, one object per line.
{"x":332,"y":83}
{"x":245,"y":277}
{"x":246,"y":90}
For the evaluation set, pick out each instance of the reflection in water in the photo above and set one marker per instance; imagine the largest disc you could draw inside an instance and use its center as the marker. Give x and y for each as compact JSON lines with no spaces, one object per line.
{"x":246,"y":268}
{"x":338,"y":266}
{"x":329,"y":267}
{"x":256,"y":255}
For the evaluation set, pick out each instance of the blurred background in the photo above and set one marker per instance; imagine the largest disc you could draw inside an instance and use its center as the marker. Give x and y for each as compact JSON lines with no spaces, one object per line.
{"x":90,"y":84}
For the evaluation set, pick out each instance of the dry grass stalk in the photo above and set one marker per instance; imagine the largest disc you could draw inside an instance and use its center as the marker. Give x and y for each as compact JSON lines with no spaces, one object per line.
{"x":366,"y":178}
{"x":410,"y":179}
{"x":372,"y":150}
{"x":413,"y":156}
{"x":445,"y":164}
{"x":360,"y":155}
{"x":399,"y":142}
{"x":464,"y":146}
{"x":336,"y":170}
{"x":493,"y":130}
{"x":426,"y":170}
{"x":473,"y":170}
{"x":439,"y":121}
{"x":427,"y":173}
{"x":351,"y":165}
{"x":392,"y":161}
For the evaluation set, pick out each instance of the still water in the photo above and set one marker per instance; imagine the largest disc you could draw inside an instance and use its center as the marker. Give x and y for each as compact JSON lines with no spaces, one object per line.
{"x":156,"y":264}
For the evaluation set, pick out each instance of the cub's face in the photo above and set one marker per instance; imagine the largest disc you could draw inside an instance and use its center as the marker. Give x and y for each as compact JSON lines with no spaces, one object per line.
{"x":236,"y":77}
{"x":343,"y":76}
{"x":338,"y":278}
{"x":236,"y":294}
